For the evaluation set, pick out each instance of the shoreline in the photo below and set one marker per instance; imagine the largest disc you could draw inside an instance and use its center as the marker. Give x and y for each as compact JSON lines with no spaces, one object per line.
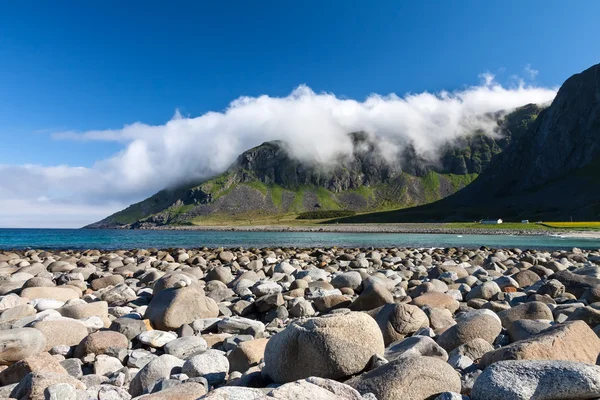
{"x":371,"y":228}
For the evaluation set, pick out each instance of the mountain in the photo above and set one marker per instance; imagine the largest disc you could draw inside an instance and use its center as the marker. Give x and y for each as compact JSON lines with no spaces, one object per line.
{"x":549,"y":173}
{"x":266,"y":182}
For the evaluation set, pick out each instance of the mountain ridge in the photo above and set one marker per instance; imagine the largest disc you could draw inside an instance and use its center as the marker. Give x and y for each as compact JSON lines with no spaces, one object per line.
{"x":267,"y":180}
{"x":550,"y":173}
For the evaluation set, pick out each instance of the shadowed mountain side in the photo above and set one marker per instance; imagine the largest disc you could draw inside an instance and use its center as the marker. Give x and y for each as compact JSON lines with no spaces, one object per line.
{"x":551,"y":173}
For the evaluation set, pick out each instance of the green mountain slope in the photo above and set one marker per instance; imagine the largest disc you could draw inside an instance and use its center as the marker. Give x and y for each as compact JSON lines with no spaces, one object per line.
{"x":266,"y":181}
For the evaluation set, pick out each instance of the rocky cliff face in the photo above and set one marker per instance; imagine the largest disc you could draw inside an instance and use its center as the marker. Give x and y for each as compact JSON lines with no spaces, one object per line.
{"x":549,"y":173}
{"x":266,"y":180}
{"x":566,"y":137}
{"x":271,"y":164}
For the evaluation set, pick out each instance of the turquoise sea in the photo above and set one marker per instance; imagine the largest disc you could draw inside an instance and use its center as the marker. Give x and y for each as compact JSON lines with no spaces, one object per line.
{"x":129,"y":239}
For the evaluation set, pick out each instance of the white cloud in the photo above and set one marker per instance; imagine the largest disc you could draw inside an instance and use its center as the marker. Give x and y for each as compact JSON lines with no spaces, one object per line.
{"x":314,"y":124}
{"x":530,"y":72}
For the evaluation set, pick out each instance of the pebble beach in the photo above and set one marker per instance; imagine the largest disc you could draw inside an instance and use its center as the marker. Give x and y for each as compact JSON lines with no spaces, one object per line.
{"x":287,"y":323}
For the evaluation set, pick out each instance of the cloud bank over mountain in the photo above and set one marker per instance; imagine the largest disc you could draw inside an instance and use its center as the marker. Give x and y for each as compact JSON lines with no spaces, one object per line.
{"x":315,"y":125}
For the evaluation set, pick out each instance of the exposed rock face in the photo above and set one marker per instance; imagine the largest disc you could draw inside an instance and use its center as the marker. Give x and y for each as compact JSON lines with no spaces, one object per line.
{"x":565,"y":136}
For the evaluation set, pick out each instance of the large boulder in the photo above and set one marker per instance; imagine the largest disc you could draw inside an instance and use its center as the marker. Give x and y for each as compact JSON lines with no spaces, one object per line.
{"x":312,"y":388}
{"x":526,"y":278}
{"x":84,"y":310}
{"x":350,"y":279}
{"x":397,"y":321}
{"x":118,"y":295}
{"x":247,"y":354}
{"x":475,"y":349}
{"x":211,"y":365}
{"x":17,"y":312}
{"x":574,"y":283}
{"x":235,"y":393}
{"x":159,"y":368}
{"x":172,"y":280}
{"x":186,"y":346}
{"x":184,"y":391}
{"x":373,"y":296}
{"x":408,"y":378}
{"x":334,"y":346}
{"x":98,"y":342}
{"x":523,"y":329}
{"x":571,"y":341}
{"x":415,"y":346}
{"x":62,"y":332}
{"x":221,"y":274}
{"x":436,"y":299}
{"x":129,"y":327}
{"x":42,"y":362}
{"x":62,"y":293}
{"x":486,"y":291}
{"x":537,"y":380}
{"x":171,"y":308}
{"x":17,"y":344}
{"x":472,"y":325}
{"x":332,"y":302}
{"x":106,"y":281}
{"x":34,"y":385}
{"x":532,"y":310}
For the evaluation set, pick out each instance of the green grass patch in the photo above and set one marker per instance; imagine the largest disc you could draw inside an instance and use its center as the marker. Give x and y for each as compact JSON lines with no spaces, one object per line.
{"x":368,"y":192}
{"x":181,"y":209}
{"x":297,"y":204}
{"x":431,"y":186}
{"x":326,"y":214}
{"x":326,"y":199}
{"x":128,"y":216}
{"x":460,"y":181}
{"x":258,"y":185}
{"x":276,"y":195}
{"x":585,"y":225}
{"x":218,"y":186}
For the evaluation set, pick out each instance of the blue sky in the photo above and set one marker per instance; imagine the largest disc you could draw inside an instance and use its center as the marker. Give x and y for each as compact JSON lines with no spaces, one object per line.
{"x":71,"y":66}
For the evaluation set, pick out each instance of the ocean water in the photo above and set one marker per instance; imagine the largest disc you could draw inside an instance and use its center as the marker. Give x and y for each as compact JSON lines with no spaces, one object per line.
{"x":130,"y":239}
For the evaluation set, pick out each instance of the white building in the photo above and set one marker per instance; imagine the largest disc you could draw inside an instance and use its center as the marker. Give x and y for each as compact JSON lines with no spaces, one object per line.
{"x":491,"y":221}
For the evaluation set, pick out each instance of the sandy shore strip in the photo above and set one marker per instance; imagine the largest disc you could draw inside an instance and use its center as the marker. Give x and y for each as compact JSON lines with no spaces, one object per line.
{"x":581,"y":234}
{"x":372,"y":228}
